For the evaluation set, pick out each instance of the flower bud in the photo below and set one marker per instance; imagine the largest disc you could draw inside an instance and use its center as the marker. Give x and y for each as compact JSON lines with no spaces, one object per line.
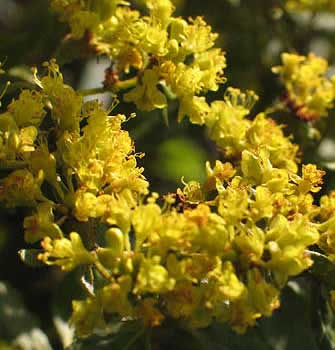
{"x":115,"y":240}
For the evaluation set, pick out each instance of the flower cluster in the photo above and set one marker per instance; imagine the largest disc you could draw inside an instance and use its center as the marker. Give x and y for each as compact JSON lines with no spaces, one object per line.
{"x":309,"y":91}
{"x":221,"y":250}
{"x":230,"y":127}
{"x":217,"y":251}
{"x":165,"y":52}
{"x":222,"y":253}
{"x":79,"y":154}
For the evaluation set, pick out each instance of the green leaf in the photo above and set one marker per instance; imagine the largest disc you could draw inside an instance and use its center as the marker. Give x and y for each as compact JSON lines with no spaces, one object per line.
{"x":70,"y":288}
{"x":292,"y":322}
{"x":22,"y":72}
{"x":165,"y":115}
{"x":17,"y":324}
{"x":180,"y":157}
{"x":323,"y":269}
{"x":30,"y":257}
{"x":4,"y":233}
{"x":122,"y":336}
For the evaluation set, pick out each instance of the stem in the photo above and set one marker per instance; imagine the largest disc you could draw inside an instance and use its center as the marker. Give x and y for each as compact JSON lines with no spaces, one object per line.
{"x":119,"y":86}
{"x":19,"y":85}
{"x":5,"y":89}
{"x":12,"y":164}
{"x":127,"y":242}
{"x":102,"y":270}
{"x":133,"y":339}
{"x":148,"y":339}
{"x":312,"y":252}
{"x":324,"y":226}
{"x":168,"y":92}
{"x":277,"y":107}
{"x":69,"y":183}
{"x":96,"y":91}
{"x":57,"y":186}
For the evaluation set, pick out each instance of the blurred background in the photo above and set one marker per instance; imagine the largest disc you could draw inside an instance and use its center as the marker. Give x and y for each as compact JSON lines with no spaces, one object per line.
{"x":252,"y":33}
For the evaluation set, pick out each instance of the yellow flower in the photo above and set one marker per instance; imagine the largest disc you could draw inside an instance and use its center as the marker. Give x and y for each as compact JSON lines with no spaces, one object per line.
{"x":146,"y":95}
{"x":86,"y":316}
{"x":263,"y":296}
{"x":114,"y":297}
{"x":311,"y":179}
{"x":227,"y":284}
{"x":66,"y":253}
{"x":21,"y":188}
{"x":153,"y":277}
{"x":65,"y":102}
{"x":28,"y":109}
{"x":145,"y":219}
{"x":286,"y":241}
{"x":149,"y":314}
{"x":41,"y":224}
{"x":310,"y":93}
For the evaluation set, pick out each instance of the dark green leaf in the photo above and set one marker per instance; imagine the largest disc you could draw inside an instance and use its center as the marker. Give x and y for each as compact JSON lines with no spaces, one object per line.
{"x":17,"y":324}
{"x":125,"y":336}
{"x":323,"y":269}
{"x":30,"y":257}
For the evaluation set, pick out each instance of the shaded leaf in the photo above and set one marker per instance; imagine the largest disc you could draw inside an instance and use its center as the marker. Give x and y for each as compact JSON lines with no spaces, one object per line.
{"x":17,"y":324}
{"x":30,"y":257}
{"x":180,"y":157}
{"x":292,"y":322}
{"x":123,"y":336}
{"x":323,"y":269}
{"x":70,"y":288}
